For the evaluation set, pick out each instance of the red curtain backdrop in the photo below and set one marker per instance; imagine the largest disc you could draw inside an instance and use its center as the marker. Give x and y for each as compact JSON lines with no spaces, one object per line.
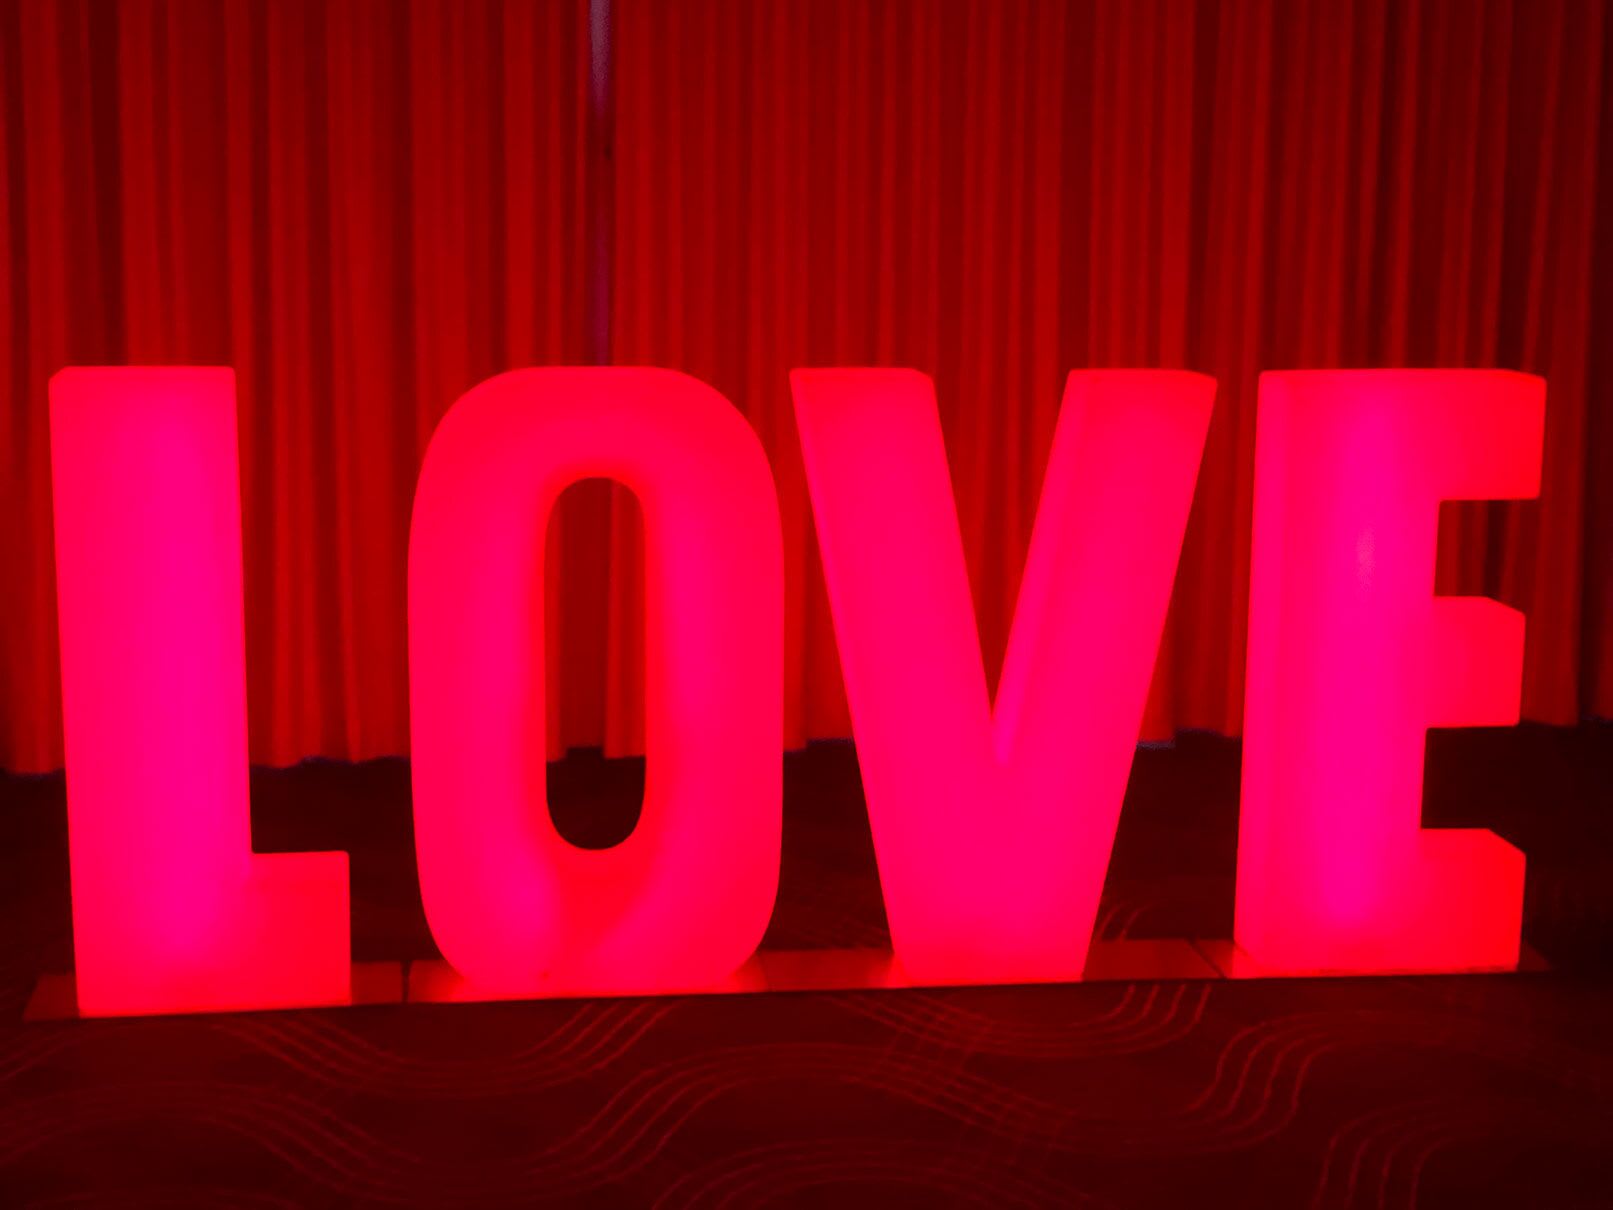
{"x":998,"y":192}
{"x":367,"y":207}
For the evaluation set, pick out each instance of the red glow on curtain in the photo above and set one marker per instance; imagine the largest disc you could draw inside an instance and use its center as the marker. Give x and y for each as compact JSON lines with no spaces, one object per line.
{"x":366,"y":208}
{"x":996,"y":194}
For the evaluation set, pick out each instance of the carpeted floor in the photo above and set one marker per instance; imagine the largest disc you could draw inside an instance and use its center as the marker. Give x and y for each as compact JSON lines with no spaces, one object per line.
{"x":1333,"y":1093}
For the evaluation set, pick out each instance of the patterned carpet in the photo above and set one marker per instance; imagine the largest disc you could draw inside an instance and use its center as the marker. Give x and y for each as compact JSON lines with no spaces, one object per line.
{"x":1329,"y":1093}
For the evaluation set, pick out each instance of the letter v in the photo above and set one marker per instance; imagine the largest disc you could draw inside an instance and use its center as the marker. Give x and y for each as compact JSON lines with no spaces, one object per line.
{"x":993,"y":829}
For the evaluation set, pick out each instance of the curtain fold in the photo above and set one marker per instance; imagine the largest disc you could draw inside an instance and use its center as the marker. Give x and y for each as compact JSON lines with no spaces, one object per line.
{"x":367,"y":206}
{"x":998,"y":193}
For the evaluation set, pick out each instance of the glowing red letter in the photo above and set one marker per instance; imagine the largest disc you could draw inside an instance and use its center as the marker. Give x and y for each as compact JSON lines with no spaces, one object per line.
{"x":685,"y":899}
{"x":1351,"y":659}
{"x":993,"y":830}
{"x":172,"y":911}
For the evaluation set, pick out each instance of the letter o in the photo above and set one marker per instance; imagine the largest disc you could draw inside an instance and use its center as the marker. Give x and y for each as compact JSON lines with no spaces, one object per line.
{"x":684,"y":900}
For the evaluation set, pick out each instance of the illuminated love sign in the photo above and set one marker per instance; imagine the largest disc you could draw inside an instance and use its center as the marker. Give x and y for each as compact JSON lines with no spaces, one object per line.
{"x":992,"y":820}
